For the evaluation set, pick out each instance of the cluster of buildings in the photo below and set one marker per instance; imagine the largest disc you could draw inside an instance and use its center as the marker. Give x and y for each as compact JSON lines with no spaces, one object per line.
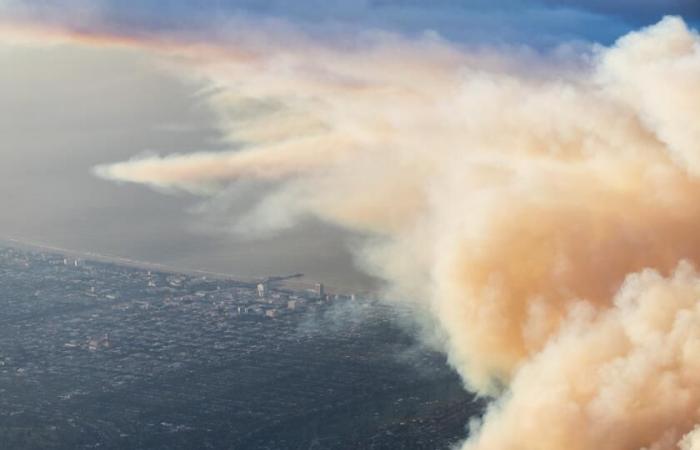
{"x":94,"y":354}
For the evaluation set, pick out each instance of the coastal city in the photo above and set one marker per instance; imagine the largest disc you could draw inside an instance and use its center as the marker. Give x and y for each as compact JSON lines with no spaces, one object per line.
{"x":95,"y":354}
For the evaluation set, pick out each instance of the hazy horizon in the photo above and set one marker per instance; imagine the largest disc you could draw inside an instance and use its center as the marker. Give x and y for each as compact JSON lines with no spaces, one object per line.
{"x":103,"y":106}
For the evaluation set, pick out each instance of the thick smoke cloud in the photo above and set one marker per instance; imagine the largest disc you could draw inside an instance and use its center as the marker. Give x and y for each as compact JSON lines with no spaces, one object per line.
{"x":542,"y":212}
{"x":543,"y":217}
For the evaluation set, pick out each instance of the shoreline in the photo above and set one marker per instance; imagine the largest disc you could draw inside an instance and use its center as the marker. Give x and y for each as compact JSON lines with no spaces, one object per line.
{"x":302,"y":284}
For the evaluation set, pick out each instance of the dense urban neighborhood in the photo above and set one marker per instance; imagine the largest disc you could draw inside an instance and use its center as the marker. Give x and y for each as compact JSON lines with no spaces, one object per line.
{"x":95,"y":354}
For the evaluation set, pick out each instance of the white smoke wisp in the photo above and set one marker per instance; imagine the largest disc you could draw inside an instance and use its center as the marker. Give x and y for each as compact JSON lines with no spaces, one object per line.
{"x":547,"y":220}
{"x":691,"y":441}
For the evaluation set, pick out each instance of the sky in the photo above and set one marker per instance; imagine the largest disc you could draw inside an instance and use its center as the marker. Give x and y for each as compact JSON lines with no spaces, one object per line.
{"x":544,"y":21}
{"x":523,"y":175}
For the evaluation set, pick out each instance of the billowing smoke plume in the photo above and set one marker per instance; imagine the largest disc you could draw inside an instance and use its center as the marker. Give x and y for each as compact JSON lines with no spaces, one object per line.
{"x":543,"y":211}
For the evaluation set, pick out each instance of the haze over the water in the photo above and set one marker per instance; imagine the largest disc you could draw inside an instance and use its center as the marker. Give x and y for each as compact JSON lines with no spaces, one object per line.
{"x":524,"y":174}
{"x":66,"y":108}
